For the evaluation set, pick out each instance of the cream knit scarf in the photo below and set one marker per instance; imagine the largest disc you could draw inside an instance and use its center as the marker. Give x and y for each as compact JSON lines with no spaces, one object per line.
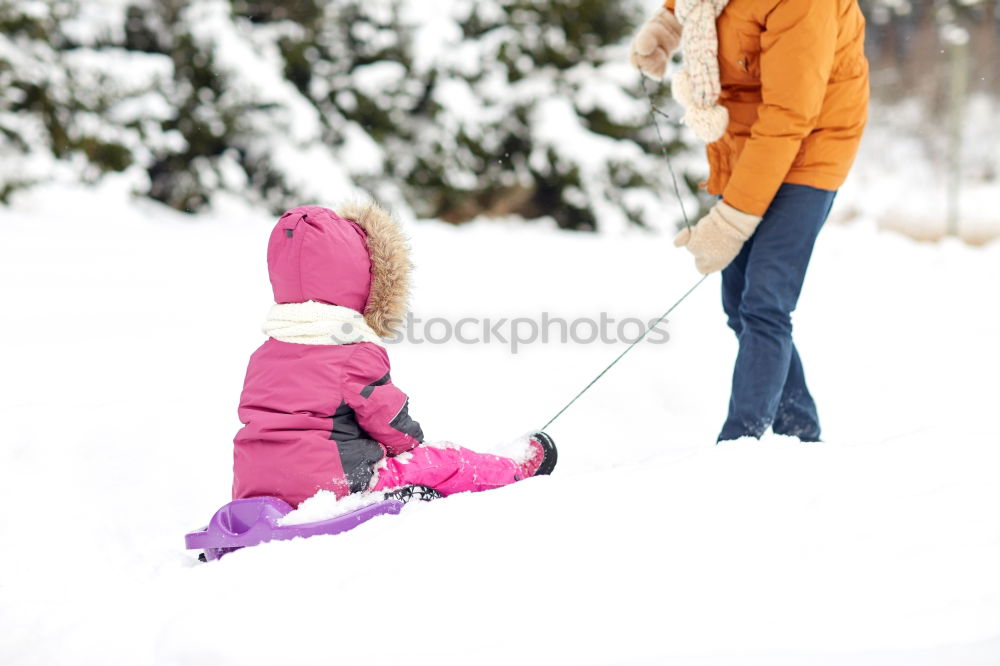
{"x":697,"y":86}
{"x":313,"y":323}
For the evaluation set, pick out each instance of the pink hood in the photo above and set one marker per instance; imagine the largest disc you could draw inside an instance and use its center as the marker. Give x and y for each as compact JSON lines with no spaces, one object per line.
{"x":316,"y":255}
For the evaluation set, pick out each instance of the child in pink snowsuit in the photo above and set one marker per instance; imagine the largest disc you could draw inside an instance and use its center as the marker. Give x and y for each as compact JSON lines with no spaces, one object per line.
{"x":319,"y":409}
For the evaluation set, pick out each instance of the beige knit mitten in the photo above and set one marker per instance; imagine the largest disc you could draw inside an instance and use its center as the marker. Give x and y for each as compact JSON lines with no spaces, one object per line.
{"x":656,"y":40}
{"x":718,"y":237}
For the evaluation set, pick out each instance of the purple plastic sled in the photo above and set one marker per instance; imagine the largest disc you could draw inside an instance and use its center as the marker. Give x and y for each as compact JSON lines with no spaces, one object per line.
{"x":252,"y":521}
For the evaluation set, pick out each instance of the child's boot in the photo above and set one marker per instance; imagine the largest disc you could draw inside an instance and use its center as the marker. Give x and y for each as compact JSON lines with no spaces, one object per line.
{"x":541,"y":457}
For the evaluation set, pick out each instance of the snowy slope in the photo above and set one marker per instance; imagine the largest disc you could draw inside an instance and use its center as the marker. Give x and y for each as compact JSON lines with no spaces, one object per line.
{"x":126,"y":331}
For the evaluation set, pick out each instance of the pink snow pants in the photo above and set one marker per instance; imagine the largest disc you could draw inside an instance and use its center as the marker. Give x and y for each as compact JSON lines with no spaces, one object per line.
{"x":448,"y":471}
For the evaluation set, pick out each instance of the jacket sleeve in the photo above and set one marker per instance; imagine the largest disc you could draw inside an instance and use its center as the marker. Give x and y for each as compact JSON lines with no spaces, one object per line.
{"x":798,"y":44}
{"x":381,"y":408}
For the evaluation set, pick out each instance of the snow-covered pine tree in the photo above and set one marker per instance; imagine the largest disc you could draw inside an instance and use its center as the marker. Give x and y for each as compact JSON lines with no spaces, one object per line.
{"x":188,"y":94}
{"x":348,"y":62}
{"x":63,"y":93}
{"x":243,"y":126}
{"x":530,"y":108}
{"x":457,"y":108}
{"x":470,"y":108}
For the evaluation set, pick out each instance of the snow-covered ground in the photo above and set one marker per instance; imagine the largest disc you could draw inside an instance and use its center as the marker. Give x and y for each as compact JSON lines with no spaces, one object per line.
{"x":125,"y":333}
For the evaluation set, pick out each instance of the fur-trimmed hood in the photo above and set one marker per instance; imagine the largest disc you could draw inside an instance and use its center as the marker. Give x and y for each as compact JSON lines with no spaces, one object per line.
{"x":358,"y":259}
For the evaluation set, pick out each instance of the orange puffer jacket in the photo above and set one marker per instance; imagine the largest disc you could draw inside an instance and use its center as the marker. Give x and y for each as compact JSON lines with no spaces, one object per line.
{"x":795,"y":81}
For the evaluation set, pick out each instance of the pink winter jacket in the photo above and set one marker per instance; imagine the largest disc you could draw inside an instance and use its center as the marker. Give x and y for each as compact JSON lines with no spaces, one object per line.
{"x":318,"y":417}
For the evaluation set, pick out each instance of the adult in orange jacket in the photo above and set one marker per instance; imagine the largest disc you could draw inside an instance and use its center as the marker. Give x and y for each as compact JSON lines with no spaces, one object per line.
{"x":778,"y":89}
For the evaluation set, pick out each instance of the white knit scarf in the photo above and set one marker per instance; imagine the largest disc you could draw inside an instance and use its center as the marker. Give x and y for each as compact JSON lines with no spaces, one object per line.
{"x":313,"y":323}
{"x":697,"y":86}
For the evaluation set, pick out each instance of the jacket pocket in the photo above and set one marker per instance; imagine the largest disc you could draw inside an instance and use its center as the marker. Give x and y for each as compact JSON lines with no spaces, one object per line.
{"x":749,"y":56}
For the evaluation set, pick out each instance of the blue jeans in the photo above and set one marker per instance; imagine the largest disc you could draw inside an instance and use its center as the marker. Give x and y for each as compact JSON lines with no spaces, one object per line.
{"x":759,"y":292}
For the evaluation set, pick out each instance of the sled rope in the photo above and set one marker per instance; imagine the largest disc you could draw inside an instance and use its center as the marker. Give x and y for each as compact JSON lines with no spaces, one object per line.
{"x":627,"y":350}
{"x":653,"y":111}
